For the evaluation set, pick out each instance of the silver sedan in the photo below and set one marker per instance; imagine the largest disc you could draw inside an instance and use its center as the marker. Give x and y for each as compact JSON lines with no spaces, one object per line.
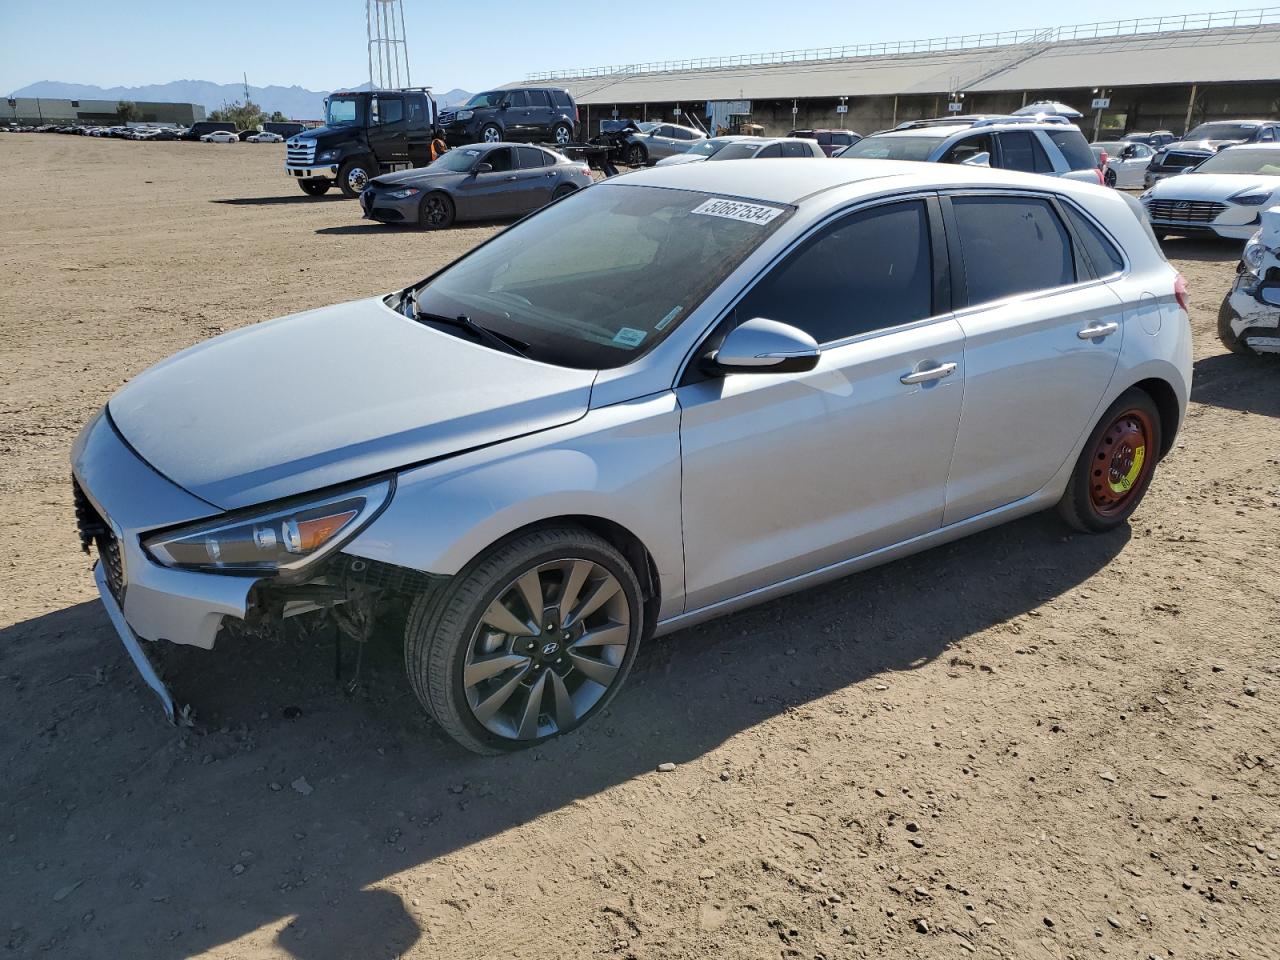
{"x":670,"y":396}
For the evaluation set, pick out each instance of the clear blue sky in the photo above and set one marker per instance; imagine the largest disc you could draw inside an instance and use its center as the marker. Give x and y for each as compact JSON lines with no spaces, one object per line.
{"x":468,"y":44}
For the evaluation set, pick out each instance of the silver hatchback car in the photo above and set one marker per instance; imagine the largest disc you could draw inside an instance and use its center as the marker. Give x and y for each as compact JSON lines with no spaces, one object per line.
{"x":665,"y":398}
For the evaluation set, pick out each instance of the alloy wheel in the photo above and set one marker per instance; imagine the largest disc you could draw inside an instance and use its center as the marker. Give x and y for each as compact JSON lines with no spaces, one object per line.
{"x":1122,"y":461}
{"x":562,"y":135}
{"x":436,"y":213}
{"x":492,"y":134}
{"x":547,"y":649}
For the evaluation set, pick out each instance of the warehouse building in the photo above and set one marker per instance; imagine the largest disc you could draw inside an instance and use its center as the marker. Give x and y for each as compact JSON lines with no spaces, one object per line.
{"x":36,"y":111}
{"x":1157,"y":73}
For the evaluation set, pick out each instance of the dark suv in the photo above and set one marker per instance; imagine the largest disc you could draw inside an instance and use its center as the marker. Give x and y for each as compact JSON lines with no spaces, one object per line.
{"x":528,"y":114}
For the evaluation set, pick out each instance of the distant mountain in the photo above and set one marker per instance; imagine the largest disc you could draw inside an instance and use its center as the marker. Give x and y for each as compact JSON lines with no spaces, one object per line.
{"x":296,"y":102}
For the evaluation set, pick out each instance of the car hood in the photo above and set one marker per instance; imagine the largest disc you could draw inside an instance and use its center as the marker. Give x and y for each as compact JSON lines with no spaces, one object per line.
{"x":1210,"y":186}
{"x":419,"y":175}
{"x":1201,"y":146}
{"x":332,"y":395}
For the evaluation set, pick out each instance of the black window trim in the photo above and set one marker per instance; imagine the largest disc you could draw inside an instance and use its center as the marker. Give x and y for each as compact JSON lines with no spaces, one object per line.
{"x":1079,"y":255}
{"x":943,"y":298}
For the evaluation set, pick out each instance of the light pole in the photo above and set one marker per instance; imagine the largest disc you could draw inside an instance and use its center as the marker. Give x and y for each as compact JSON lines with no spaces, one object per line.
{"x":842,"y":110}
{"x":1100,"y":102}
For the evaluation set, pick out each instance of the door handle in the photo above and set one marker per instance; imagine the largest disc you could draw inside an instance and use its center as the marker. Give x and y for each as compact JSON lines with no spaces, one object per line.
{"x":509,"y":179}
{"x":933,"y":373}
{"x":1097,"y":331}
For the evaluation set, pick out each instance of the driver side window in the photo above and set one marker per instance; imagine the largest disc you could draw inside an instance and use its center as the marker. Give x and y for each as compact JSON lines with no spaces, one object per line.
{"x":969,"y":147}
{"x":387,"y":110}
{"x":500,"y":159}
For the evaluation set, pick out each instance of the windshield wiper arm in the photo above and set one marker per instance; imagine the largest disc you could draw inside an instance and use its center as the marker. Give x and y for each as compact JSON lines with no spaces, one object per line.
{"x":463,"y":322}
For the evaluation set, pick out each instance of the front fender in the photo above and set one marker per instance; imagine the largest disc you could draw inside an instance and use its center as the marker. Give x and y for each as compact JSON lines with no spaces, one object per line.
{"x":619,"y":463}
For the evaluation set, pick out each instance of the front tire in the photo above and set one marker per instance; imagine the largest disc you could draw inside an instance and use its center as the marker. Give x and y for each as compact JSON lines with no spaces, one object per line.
{"x":637,"y":156}
{"x":491,"y":133}
{"x":315,"y":188}
{"x":354,"y":176}
{"x":1115,"y":467}
{"x":530,"y":641}
{"x":1226,"y":313}
{"x":436,"y":212}
{"x":1109,"y":178}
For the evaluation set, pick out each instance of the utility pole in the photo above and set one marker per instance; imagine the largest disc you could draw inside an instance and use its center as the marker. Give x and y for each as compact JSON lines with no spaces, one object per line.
{"x":246,"y":89}
{"x":384,"y":21}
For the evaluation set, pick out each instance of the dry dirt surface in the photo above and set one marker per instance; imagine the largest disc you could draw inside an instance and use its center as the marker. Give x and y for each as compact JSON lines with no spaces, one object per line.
{"x":1026,"y":744}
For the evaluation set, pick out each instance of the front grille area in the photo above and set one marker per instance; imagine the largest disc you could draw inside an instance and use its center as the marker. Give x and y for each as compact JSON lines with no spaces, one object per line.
{"x":301,"y":153}
{"x":1185,"y":211}
{"x":95,"y":531}
{"x":1180,"y":161}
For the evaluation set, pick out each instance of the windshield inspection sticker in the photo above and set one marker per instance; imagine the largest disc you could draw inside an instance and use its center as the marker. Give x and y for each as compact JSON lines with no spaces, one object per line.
{"x":629,"y":337}
{"x":737,"y":210}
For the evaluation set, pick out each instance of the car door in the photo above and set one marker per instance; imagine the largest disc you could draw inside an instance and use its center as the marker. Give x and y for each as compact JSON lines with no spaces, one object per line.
{"x":489,"y":194}
{"x":786,"y":473}
{"x":536,"y":180}
{"x":515,"y":115}
{"x":386,"y":129}
{"x":662,"y":142}
{"x":539,"y":115}
{"x":1034,"y":376}
{"x":1130,"y":170}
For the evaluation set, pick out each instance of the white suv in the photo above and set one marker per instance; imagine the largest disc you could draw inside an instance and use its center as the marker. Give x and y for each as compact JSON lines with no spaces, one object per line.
{"x":1030,"y":144}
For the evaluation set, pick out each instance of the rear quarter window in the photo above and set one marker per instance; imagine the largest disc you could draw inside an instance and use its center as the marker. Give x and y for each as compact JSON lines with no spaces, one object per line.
{"x":1075,"y":148}
{"x":1102,"y":253}
{"x":562,"y":99}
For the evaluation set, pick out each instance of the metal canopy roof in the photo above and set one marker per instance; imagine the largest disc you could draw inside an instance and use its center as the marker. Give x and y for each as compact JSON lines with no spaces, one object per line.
{"x":1194,"y":56}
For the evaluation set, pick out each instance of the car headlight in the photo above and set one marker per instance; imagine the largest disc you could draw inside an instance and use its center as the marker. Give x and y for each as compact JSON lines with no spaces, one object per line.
{"x":326,"y":155}
{"x":1254,"y":254}
{"x":465,"y":114}
{"x":279,"y":541}
{"x":404,"y":194}
{"x":1251,"y":196}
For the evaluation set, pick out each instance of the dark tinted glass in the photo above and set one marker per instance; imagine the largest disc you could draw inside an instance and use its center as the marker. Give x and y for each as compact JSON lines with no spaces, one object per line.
{"x":1101,"y":252}
{"x":771,"y":151}
{"x":561,"y":99}
{"x":968,"y":148}
{"x":531,"y":157}
{"x":539,"y":98}
{"x":1022,"y":151}
{"x":871,"y":271}
{"x":390,"y":111}
{"x":500,"y":159}
{"x":1074,"y":147}
{"x":517,"y":98}
{"x":797,"y":149}
{"x":1011,"y":245}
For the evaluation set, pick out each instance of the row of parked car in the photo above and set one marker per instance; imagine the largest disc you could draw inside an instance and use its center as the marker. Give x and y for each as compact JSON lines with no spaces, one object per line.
{"x":151,"y":132}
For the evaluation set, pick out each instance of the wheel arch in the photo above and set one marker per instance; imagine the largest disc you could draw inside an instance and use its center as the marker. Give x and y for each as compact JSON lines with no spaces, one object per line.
{"x":1166,"y":400}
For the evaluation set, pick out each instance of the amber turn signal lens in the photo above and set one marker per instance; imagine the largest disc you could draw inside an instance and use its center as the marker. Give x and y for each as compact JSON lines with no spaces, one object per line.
{"x":303,"y":536}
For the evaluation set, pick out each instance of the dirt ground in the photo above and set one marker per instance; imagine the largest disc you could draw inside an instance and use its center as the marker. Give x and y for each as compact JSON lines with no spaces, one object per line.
{"x":1026,"y":744}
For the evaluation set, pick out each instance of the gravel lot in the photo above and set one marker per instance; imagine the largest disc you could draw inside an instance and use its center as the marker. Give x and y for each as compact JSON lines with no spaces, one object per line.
{"x":1026,"y":744}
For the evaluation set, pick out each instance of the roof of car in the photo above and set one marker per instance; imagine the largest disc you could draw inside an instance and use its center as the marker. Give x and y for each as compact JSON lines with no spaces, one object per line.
{"x":793,"y":180}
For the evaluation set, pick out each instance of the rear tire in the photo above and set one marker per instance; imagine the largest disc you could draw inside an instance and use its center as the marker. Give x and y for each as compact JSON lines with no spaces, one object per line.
{"x":315,"y":188}
{"x":1115,"y":467}
{"x":1109,"y":178}
{"x":436,"y":212}
{"x":451,"y":631}
{"x":1226,"y":313}
{"x":562,"y":134}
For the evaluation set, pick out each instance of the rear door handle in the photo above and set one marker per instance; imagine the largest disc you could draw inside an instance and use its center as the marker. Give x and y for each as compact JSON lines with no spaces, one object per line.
{"x":1097,"y":331}
{"x":933,"y":373}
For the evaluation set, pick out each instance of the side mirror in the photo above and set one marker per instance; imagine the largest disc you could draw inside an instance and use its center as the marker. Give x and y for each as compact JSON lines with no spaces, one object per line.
{"x":766,"y":346}
{"x":483,"y":168}
{"x":982,"y":159}
{"x":1128,"y":153}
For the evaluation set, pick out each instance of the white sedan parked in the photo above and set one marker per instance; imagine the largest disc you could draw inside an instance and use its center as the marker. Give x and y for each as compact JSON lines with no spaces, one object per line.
{"x":1126,"y":163}
{"x":1224,"y":196}
{"x":266,"y":136}
{"x":220,"y":136}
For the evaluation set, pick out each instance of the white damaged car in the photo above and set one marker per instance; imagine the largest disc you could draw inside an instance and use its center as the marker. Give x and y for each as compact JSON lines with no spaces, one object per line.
{"x":1224,"y":196}
{"x":1249,"y":321}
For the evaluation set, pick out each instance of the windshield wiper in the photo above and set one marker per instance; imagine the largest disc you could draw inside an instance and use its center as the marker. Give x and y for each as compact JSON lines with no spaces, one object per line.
{"x":463,"y":322}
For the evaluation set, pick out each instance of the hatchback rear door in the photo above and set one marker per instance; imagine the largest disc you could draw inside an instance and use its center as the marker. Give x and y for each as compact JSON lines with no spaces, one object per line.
{"x":1042,"y":331}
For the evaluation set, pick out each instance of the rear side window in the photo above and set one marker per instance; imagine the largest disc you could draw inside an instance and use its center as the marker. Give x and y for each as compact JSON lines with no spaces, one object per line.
{"x":1011,"y":245}
{"x":1074,"y":147}
{"x":839,"y":139}
{"x":561,"y":99}
{"x":798,"y":149}
{"x":770,"y":152}
{"x":1021,"y":150}
{"x":532,"y":157}
{"x":539,"y":98}
{"x":871,"y":271}
{"x":500,"y":159}
{"x":824,"y":139}
{"x":1102,"y":254}
{"x":517,"y":98}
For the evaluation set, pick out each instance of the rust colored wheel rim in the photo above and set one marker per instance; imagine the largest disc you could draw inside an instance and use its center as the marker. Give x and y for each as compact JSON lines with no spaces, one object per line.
{"x":1121,"y":462}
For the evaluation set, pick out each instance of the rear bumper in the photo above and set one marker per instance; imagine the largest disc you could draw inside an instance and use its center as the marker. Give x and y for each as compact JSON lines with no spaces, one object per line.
{"x":322,"y":171}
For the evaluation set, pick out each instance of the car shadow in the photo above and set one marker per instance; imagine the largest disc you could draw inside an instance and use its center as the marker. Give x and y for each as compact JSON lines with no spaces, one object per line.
{"x":372,"y":226}
{"x":291,"y":805}
{"x":273,"y":201}
{"x":1203,"y":249}
{"x":1235,"y":382}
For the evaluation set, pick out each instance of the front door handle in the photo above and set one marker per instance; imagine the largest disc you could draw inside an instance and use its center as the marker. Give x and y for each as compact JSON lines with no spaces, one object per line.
{"x":1097,"y":331}
{"x":509,"y":179}
{"x":933,"y":373}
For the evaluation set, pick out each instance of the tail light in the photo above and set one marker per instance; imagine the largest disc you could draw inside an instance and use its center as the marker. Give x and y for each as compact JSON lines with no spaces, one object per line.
{"x":1180,"y":293}
{"x":576,"y":121}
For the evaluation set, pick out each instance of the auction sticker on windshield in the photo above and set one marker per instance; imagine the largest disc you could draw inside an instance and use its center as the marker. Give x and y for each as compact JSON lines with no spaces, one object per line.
{"x":737,"y":210}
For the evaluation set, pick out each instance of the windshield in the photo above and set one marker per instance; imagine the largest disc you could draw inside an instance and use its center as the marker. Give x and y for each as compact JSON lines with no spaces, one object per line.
{"x":891,"y":146}
{"x":490,"y":99}
{"x":596,"y":281}
{"x":341,"y":111}
{"x":646,"y":125}
{"x":459,"y":161}
{"x":1223,"y":131}
{"x":1243,"y":160}
{"x":736,"y":151}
